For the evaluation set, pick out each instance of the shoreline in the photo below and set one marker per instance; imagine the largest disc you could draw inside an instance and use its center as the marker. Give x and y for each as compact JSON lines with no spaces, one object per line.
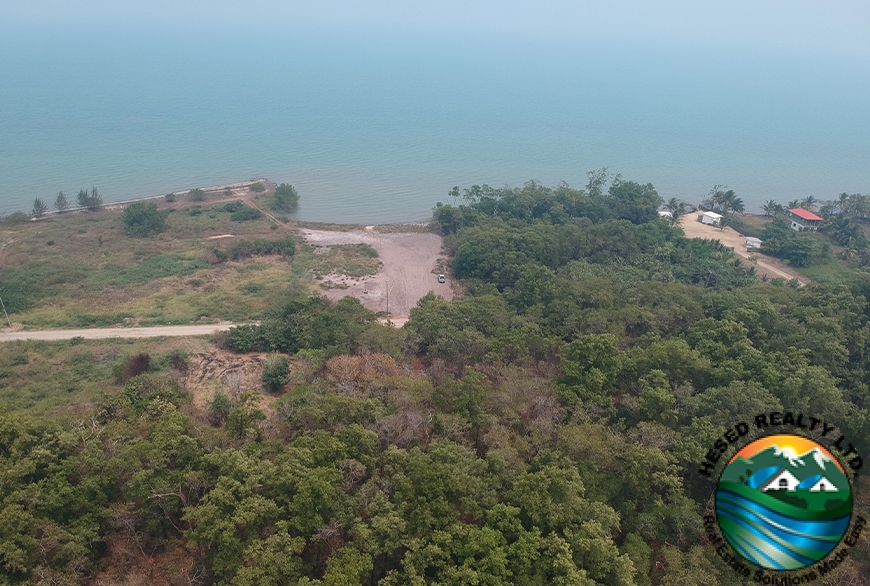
{"x":415,"y":225}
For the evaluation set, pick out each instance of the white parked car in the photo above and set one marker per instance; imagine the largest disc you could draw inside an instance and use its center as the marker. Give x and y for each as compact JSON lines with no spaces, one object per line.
{"x":441,"y":278}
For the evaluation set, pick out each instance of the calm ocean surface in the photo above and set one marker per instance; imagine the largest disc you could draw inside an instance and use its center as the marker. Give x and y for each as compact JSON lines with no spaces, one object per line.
{"x":377,"y":130}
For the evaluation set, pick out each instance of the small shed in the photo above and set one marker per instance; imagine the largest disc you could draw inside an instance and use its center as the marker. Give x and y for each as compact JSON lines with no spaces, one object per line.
{"x":665,"y":214}
{"x":710,"y":218}
{"x":753,"y":243}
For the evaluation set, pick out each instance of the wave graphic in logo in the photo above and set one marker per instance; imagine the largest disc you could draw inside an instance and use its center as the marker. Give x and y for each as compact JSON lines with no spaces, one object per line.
{"x":783,"y":502}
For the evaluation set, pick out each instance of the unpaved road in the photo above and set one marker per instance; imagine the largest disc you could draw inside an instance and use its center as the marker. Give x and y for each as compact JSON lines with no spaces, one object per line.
{"x":410,"y":262}
{"x":102,"y":333}
{"x":770,"y":266}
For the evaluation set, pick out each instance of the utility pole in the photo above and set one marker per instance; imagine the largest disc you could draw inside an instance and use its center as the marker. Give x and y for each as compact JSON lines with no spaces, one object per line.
{"x":388,"y":298}
{"x":4,"y":311}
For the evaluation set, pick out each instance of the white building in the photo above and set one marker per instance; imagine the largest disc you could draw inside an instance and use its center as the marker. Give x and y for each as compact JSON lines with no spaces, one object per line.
{"x":753,"y":243}
{"x":710,"y":218}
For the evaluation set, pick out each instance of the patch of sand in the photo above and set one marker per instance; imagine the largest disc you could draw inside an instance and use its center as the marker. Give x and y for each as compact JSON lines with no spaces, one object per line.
{"x":409,"y":271}
{"x":731,"y":238}
{"x":220,"y":236}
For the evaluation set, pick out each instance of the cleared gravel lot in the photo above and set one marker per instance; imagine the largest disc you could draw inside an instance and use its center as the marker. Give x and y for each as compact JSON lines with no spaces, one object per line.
{"x":410,"y":269}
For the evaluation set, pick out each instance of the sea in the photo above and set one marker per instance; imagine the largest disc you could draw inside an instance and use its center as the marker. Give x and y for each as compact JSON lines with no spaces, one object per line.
{"x":377,"y":127}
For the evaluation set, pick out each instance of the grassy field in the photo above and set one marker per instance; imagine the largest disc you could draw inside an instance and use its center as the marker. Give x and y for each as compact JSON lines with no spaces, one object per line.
{"x":64,"y":379}
{"x":81,"y":270}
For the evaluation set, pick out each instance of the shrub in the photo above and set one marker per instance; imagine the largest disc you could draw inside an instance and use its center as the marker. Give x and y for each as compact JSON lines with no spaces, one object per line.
{"x":170,"y":197}
{"x":196,"y":194}
{"x":196,"y":211}
{"x":258,"y":187}
{"x":286,"y":197}
{"x":276,"y":373}
{"x":16,"y":218}
{"x":245,"y":213}
{"x":143,"y":219}
{"x":219,"y":409}
{"x":50,"y":242}
{"x":245,"y":248}
{"x":242,"y":339}
{"x":215,"y":256}
{"x":233,"y":206}
{"x":134,"y":366}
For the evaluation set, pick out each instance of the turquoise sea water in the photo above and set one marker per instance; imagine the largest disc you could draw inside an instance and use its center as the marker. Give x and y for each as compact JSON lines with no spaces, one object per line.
{"x":377,"y":129}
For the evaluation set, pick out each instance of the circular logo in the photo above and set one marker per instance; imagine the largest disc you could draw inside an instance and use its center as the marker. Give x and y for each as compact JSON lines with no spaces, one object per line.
{"x":783,"y":502}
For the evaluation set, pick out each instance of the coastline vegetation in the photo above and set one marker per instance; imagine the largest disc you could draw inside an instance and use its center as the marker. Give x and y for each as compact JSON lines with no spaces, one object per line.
{"x":543,"y":429}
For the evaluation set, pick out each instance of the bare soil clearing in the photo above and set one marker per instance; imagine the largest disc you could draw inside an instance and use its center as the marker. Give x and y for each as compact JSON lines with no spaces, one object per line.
{"x":411,"y":264}
{"x":770,"y":266}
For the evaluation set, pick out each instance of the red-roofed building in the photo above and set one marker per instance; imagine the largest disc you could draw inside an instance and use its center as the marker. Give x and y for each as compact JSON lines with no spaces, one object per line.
{"x":802,"y":220}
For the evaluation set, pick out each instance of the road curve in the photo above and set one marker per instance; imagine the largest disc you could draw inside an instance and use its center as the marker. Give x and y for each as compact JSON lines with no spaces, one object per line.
{"x":102,"y":333}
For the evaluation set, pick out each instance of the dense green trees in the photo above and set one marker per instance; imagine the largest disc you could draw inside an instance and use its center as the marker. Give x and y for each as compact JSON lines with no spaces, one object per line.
{"x":543,"y":429}
{"x":800,"y":249}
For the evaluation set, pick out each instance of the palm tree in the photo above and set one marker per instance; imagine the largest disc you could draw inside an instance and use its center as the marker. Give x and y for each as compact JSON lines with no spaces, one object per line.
{"x":843,"y":204}
{"x":793,"y":204}
{"x":677,"y":209}
{"x":849,"y":254}
{"x":770,"y":208}
{"x":715,"y":197}
{"x":809,"y":203}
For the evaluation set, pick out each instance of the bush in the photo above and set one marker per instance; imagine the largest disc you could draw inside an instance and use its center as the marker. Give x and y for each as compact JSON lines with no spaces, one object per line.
{"x":170,"y":197}
{"x":258,"y":187}
{"x":219,"y":409}
{"x":196,"y":194}
{"x":259,"y":247}
{"x":286,"y":198}
{"x":143,"y":219}
{"x":134,"y":366}
{"x":196,"y":211}
{"x":233,"y":206}
{"x":16,"y":218}
{"x":276,"y":373}
{"x":245,"y":213}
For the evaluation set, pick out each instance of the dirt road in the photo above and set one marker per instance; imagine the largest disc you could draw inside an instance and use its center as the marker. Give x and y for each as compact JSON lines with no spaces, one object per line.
{"x":102,"y":333}
{"x":770,"y":266}
{"x":409,"y":271}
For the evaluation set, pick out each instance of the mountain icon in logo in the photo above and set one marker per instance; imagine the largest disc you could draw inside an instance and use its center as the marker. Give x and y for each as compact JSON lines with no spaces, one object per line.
{"x":783,"y":502}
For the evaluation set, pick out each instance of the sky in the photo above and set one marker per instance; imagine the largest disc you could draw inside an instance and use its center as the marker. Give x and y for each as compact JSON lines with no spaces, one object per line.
{"x":838,"y":28}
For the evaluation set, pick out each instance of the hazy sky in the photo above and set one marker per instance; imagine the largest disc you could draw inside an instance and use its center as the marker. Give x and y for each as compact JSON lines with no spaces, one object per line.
{"x":839,"y":28}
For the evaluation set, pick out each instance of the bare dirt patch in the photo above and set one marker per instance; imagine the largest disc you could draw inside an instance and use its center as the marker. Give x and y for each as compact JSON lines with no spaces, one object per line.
{"x":410,"y":269}
{"x":766,"y":265}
